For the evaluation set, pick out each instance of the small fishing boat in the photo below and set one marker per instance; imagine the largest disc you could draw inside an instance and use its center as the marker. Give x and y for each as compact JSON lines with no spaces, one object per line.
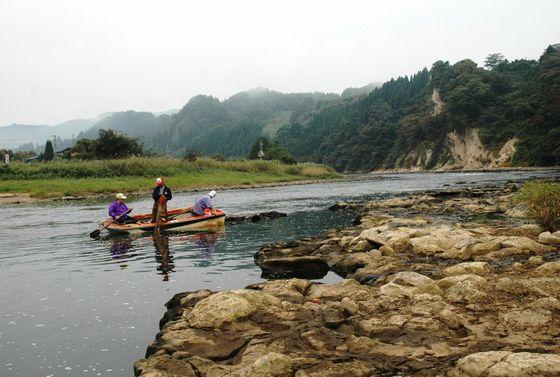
{"x":180,"y":219}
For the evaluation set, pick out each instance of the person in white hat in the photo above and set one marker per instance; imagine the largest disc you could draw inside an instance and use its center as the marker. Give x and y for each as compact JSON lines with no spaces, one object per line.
{"x":119,"y":208}
{"x":204,"y":202}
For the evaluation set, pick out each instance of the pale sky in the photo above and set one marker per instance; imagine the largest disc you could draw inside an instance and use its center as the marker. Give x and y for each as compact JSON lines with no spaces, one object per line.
{"x":67,"y":59}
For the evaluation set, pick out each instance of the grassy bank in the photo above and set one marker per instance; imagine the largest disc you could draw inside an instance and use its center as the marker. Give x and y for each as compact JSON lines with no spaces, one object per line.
{"x":78,"y":178}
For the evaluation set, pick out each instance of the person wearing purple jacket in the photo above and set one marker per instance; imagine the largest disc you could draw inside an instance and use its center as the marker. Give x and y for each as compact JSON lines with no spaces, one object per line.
{"x":118,"y":208}
{"x":204,"y":202}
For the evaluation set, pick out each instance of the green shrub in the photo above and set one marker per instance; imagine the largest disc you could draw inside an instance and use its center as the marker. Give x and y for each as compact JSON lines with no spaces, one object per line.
{"x":542,"y":200}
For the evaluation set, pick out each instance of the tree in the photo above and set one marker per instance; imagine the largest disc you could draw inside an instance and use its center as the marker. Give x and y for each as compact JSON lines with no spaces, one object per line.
{"x":494,"y":60}
{"x":108,"y":145}
{"x":272,"y":151}
{"x":49,"y":151}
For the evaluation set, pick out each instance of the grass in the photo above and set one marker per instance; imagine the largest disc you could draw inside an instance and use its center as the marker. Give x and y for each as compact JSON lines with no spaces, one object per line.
{"x":80,"y":178}
{"x":542,"y":200}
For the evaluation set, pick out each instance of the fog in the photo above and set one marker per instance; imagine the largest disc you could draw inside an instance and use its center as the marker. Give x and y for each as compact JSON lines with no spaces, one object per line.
{"x":68,"y":59}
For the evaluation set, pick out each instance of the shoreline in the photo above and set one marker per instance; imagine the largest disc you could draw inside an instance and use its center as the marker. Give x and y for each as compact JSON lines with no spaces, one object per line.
{"x":482,"y":170}
{"x":25,"y":198}
{"x":435,"y":283}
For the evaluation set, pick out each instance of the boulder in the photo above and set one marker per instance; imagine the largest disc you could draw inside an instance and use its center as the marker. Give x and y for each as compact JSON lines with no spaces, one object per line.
{"x":163,"y":366}
{"x":527,"y":319}
{"x":409,"y":284}
{"x":507,"y":364}
{"x":224,"y":308}
{"x":272,"y":365}
{"x":476,"y":268}
{"x":309,"y":267}
{"x":526,"y":244}
{"x":486,"y":247}
{"x":551,"y":239}
{"x":464,"y":288}
{"x":549,"y":269}
{"x":203,"y":343}
{"x":374,"y":237}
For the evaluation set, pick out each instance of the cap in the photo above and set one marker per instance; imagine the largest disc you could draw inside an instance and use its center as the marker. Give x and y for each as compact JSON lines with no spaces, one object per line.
{"x":120,"y":195}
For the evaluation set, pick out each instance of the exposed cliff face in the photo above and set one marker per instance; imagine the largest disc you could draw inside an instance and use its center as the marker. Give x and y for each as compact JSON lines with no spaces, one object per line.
{"x":457,"y":151}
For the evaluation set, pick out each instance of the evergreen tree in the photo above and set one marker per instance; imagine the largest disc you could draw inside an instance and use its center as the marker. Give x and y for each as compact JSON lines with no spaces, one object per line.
{"x":48,"y":155}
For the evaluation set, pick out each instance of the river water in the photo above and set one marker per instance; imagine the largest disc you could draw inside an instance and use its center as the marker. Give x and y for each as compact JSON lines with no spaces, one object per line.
{"x":73,"y":306}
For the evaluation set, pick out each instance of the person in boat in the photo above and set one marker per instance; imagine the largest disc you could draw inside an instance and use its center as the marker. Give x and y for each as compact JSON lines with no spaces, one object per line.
{"x":118,"y":208}
{"x":202,"y":203}
{"x":161,"y":195}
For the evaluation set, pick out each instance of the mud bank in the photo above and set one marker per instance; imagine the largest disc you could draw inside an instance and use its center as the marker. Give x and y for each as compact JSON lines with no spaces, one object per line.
{"x":454,"y":283}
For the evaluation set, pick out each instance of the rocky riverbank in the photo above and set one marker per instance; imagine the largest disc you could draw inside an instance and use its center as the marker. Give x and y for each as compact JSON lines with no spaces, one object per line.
{"x":454,"y":283}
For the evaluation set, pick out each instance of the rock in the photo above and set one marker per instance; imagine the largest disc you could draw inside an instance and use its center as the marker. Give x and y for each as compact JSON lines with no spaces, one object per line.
{"x":535,"y":261}
{"x":224,"y":308}
{"x":507,"y":364}
{"x":272,"y":365}
{"x":527,"y":319}
{"x":309,"y":267}
{"x":476,"y":268}
{"x":551,"y":239}
{"x":527,"y":230}
{"x":549,"y":269}
{"x":232,"y":219}
{"x":387,"y":251}
{"x":203,"y":343}
{"x":373,"y":236}
{"x":273,"y":215}
{"x":464,"y":288}
{"x":362,"y":245}
{"x":409,"y":284}
{"x":443,"y":240}
{"x":486,"y":247}
{"x":163,"y":366}
{"x":526,"y":243}
{"x":339,"y":206}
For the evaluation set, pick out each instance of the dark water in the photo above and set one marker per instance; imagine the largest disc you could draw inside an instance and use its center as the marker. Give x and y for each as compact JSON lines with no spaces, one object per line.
{"x":73,"y":306}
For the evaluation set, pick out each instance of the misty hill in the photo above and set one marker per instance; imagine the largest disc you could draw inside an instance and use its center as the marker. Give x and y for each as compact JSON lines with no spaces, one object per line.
{"x":449,"y":117}
{"x":16,"y":135}
{"x":141,"y":125}
{"x":351,"y":92}
{"x":230,"y":128}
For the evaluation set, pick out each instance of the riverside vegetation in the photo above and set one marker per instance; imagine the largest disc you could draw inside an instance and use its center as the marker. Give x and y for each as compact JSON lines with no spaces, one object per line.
{"x":456,"y":283}
{"x":77,"y":178}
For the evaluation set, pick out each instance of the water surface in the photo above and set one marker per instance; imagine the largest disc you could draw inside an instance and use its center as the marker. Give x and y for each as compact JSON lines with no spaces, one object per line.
{"x":73,"y":306}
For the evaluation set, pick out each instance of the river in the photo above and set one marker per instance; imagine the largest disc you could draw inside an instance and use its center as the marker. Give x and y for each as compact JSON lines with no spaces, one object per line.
{"x":74,"y":306}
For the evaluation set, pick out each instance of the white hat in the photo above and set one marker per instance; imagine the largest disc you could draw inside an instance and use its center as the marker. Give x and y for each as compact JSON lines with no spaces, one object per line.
{"x":212,"y":194}
{"x":120,"y":195}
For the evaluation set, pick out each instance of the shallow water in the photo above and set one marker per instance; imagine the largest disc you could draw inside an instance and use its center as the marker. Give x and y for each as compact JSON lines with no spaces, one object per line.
{"x":73,"y":306}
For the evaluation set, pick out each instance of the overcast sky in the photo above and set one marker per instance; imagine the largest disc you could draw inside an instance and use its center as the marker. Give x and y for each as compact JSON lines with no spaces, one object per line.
{"x":68,"y":59}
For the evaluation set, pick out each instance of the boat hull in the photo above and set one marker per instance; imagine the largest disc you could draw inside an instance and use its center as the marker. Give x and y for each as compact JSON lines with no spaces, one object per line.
{"x":182,"y":220}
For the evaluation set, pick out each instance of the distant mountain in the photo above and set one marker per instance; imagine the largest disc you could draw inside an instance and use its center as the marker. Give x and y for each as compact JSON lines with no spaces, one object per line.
{"x":231,"y":127}
{"x":351,"y":92}
{"x":141,"y":125}
{"x":15,"y":135}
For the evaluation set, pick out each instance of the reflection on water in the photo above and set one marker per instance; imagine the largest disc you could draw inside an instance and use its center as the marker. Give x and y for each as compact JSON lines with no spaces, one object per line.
{"x":121,"y":248}
{"x":163,"y":256}
{"x":73,"y":306}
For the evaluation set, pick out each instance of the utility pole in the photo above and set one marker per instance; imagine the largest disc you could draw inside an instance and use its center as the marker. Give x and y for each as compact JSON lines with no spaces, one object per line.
{"x":261,"y":152}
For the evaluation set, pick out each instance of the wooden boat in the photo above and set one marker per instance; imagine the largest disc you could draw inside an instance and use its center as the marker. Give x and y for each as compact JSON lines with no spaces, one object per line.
{"x":180,"y":219}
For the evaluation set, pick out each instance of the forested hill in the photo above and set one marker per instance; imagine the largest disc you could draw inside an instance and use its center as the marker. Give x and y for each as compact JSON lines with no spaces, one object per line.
{"x":231,"y":127}
{"x":452,"y":116}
